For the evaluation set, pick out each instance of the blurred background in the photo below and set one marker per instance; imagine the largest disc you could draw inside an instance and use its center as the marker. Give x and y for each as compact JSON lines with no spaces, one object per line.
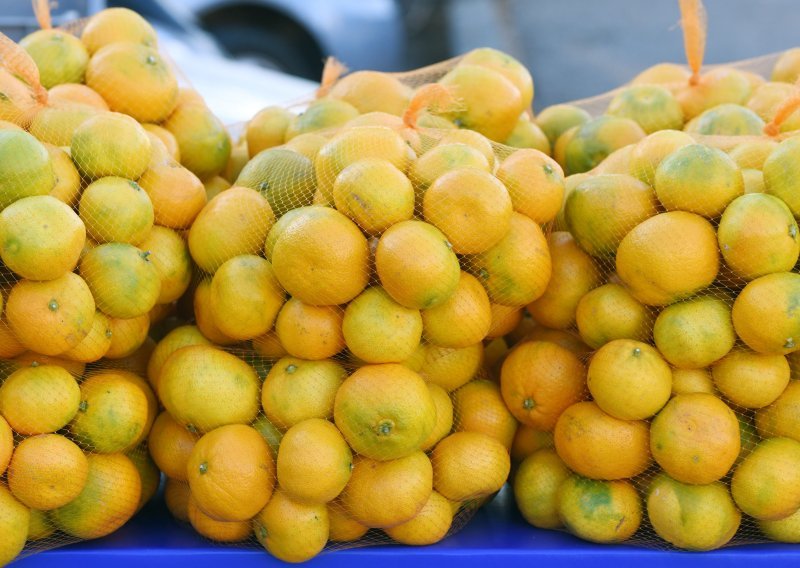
{"x":244,"y":54}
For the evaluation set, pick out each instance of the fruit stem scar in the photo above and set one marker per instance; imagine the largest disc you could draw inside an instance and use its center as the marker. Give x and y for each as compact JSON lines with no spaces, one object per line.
{"x":528,"y":404}
{"x":291,"y":368}
{"x":151,"y":59}
{"x":34,"y":364}
{"x":637,"y":351}
{"x":385,"y":427}
{"x":793,"y":231}
{"x":263,"y":186}
{"x":789,"y":343}
{"x":52,"y":305}
{"x":203,"y":467}
{"x":191,"y":428}
{"x":146,"y":255}
{"x":83,"y":406}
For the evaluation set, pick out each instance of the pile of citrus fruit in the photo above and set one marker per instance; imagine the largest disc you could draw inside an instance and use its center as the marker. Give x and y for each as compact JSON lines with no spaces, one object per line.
{"x":657,"y":385}
{"x":291,"y":327}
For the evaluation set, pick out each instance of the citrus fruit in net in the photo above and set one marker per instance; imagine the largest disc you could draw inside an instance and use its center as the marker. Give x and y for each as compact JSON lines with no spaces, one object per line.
{"x":599,"y":511}
{"x":374,"y":194}
{"x":108,"y":500}
{"x":478,"y":407}
{"x":600,"y":446}
{"x":379,"y":330}
{"x":133,"y":79}
{"x":516,"y":270}
{"x":384,"y":411}
{"x":629,"y":379}
{"x":695,"y":438}
{"x":114,"y":25}
{"x":469,"y":465}
{"x":115,"y":209}
{"x":322,"y":260}
{"x":53,"y":316}
{"x":387,"y":493}
{"x":693,"y":517}
{"x":765,"y":485}
{"x":204,"y":387}
{"x":39,"y":399}
{"x":231,"y":473}
{"x":27,"y":167}
{"x":310,"y":332}
{"x":416,"y":265}
{"x":314,"y":461}
{"x":769,"y":298}
{"x":123,"y":281}
{"x":668,"y":257}
{"x":290,"y":530}
{"x":296,"y":390}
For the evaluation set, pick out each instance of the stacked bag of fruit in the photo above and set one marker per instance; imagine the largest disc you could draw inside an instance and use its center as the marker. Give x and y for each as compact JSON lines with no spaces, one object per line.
{"x":94,"y":202}
{"x":297,"y":330}
{"x":332,"y":387}
{"x":666,"y":407}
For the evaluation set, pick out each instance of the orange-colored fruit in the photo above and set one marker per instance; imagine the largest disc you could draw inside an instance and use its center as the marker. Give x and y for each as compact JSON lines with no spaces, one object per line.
{"x":469,"y":465}
{"x":47,"y":472}
{"x":314,"y":462}
{"x":322,"y":260}
{"x":539,"y":380}
{"x":597,"y":445}
{"x":749,"y":379}
{"x":695,"y":438}
{"x":41,"y":238}
{"x":668,"y":257}
{"x":115,"y":209}
{"x":231,"y":473}
{"x":108,"y":500}
{"x":610,"y":312}
{"x":292,"y":531}
{"x":123,"y":281}
{"x":766,"y":485}
{"x":310,"y":332}
{"x":416,"y":265}
{"x":769,"y":299}
{"x":53,"y":316}
{"x":204,"y":387}
{"x":39,"y":399}
{"x":133,"y":79}
{"x":384,"y":411}
{"x":234,"y":222}
{"x":213,"y":529}
{"x":573,"y":274}
{"x":629,"y":379}
{"x":694,"y":517}
{"x":535,"y":183}
{"x":386,"y":493}
{"x":600,"y":210}
{"x":478,"y":407}
{"x":599,"y":511}
{"x":471,"y":207}
{"x":516,"y":270}
{"x":296,"y":390}
{"x":430,"y":525}
{"x":170,"y":445}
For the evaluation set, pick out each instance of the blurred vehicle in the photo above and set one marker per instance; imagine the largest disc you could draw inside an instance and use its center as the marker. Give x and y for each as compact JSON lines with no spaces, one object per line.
{"x":234,"y":90}
{"x":296,"y":36}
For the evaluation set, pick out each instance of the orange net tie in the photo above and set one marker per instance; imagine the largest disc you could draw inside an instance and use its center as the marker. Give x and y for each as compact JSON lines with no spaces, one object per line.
{"x":433,"y":97}
{"x":331,"y":73}
{"x":694,"y":23}
{"x":17,"y":61}
{"x":785,"y":110}
{"x":41,"y":8}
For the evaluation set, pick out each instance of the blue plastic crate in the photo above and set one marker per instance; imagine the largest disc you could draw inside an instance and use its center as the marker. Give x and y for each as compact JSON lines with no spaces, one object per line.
{"x":497,"y":535}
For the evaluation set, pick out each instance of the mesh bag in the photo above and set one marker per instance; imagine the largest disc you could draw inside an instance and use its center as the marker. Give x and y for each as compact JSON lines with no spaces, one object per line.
{"x":301,"y":330}
{"x":103,"y":150}
{"x":671,"y":313}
